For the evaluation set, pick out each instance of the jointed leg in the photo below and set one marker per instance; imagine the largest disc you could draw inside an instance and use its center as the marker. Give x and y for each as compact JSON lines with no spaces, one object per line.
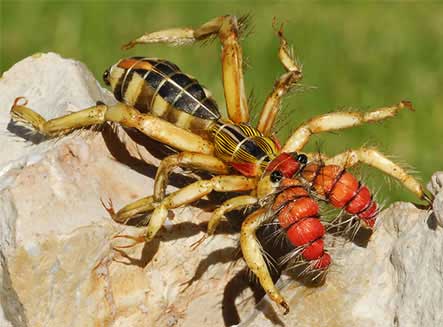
{"x":143,"y":205}
{"x":127,"y":116}
{"x":183,"y":159}
{"x":227,"y":29}
{"x":253,"y":256}
{"x":187,"y":195}
{"x":339,"y":120}
{"x":236,"y":203}
{"x":281,"y":87}
{"x":189,"y":160}
{"x":377,"y":160}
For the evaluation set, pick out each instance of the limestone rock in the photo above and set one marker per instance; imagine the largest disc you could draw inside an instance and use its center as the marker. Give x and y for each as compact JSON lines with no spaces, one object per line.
{"x":58,"y":267}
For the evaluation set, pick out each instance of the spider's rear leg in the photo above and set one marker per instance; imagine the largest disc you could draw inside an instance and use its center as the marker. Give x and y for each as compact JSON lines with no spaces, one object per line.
{"x":227,"y":28}
{"x":282,"y":86}
{"x":188,"y":195}
{"x":339,"y":120}
{"x":184,"y":159}
{"x":127,"y":116}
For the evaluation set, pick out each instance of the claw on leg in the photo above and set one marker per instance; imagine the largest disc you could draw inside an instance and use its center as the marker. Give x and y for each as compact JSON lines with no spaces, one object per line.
{"x":17,"y":100}
{"x":134,"y":240}
{"x":109,"y":208}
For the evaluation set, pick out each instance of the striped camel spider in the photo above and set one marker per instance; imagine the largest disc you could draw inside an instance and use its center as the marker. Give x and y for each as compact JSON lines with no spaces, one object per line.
{"x":284,"y":184}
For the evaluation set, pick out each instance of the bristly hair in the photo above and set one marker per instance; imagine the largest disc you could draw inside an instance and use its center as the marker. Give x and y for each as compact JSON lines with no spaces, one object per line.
{"x":244,"y":30}
{"x":344,"y":225}
{"x":285,"y":115}
{"x":275,"y":234}
{"x":246,"y":65}
{"x":245,"y":27}
{"x":304,"y":268}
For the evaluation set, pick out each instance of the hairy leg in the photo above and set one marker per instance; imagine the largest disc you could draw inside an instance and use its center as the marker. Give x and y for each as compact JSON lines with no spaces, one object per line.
{"x":252,"y":253}
{"x":339,"y":120}
{"x":236,"y":203}
{"x":127,"y":116}
{"x":227,"y":29}
{"x":282,"y":86}
{"x":377,"y":160}
{"x":188,"y":160}
{"x":187,"y":195}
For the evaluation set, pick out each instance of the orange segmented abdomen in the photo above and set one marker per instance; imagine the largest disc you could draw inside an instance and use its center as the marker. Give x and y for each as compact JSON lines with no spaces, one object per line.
{"x":342,"y":190}
{"x":298,"y":215}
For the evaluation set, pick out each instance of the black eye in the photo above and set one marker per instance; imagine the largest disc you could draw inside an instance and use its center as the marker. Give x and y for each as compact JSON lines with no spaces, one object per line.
{"x":301,"y":158}
{"x":276,"y":176}
{"x":106,"y":77}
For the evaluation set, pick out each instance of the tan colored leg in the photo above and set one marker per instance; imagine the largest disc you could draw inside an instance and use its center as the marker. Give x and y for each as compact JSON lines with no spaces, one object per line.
{"x":281,"y":87}
{"x":187,"y":195}
{"x":339,"y":120}
{"x":377,"y":160}
{"x":254,"y":258}
{"x":232,"y":204}
{"x":189,"y":160}
{"x":227,"y":29}
{"x":143,"y":205}
{"x":236,"y":203}
{"x":183,"y":159}
{"x":152,"y":126}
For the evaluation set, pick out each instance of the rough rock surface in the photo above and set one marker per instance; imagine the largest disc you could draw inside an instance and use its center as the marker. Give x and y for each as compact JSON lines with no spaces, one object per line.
{"x":57,"y":267}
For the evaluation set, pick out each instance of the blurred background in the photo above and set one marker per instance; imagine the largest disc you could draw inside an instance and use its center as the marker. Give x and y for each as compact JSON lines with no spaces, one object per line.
{"x":357,"y":56}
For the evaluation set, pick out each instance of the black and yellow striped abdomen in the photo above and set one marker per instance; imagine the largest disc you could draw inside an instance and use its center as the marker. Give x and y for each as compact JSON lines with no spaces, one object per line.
{"x":159,"y":87}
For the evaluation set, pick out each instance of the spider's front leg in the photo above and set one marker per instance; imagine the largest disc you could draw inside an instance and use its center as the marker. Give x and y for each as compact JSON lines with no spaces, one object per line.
{"x":377,"y":160}
{"x":227,"y":28}
{"x":339,"y":120}
{"x":188,"y":195}
{"x":127,"y":116}
{"x":252,"y":253}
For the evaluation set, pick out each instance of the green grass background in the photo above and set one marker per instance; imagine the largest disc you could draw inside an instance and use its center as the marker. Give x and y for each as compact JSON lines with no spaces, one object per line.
{"x":355,"y":54}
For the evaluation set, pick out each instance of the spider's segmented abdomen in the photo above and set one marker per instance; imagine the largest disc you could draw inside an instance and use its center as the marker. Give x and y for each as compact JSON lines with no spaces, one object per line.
{"x":298,"y":215}
{"x":342,"y":190}
{"x":159,"y":87}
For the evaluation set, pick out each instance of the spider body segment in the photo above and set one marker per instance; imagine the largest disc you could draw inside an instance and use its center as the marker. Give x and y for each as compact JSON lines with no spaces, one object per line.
{"x":283,"y":184}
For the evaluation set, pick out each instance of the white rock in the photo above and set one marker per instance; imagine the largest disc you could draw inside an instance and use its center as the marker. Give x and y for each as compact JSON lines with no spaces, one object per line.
{"x":436,"y":188}
{"x":57,"y":267}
